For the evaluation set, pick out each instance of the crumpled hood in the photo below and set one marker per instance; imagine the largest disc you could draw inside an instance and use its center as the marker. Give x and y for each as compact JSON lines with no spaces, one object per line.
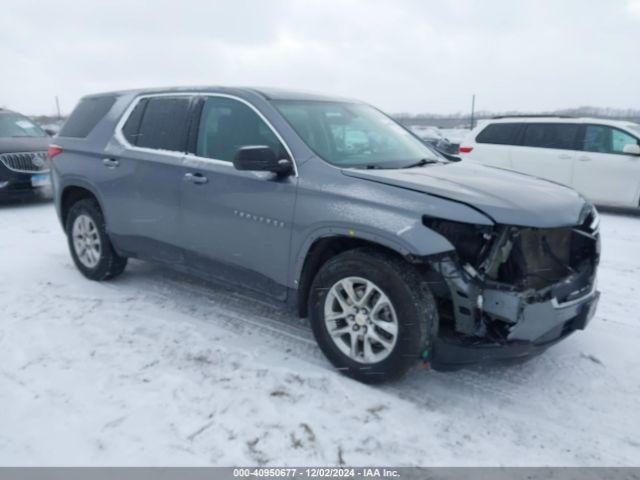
{"x":508,"y":197}
{"x":24,"y":144}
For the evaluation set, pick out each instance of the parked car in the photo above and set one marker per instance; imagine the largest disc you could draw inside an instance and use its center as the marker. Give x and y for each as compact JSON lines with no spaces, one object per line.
{"x":24,"y":170}
{"x":432,"y":137}
{"x":331,"y":207}
{"x":455,"y":136}
{"x":599,"y":158}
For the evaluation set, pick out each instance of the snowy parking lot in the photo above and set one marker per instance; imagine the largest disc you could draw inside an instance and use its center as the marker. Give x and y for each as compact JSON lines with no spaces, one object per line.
{"x":155,"y":368}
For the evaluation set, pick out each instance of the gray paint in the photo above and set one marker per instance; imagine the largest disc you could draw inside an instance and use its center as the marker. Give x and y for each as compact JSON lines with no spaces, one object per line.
{"x":265,"y":225}
{"x":508,"y":197}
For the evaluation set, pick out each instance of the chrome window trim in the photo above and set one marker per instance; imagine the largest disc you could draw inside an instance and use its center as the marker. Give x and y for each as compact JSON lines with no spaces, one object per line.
{"x":119,"y":136}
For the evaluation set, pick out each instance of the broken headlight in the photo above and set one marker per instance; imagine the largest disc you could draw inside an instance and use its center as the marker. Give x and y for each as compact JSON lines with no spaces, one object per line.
{"x":471,"y":242}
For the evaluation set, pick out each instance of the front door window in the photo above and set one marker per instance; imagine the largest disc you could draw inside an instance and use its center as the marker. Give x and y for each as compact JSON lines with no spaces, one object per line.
{"x":227,"y":124}
{"x":620,"y":139}
{"x":603,"y":139}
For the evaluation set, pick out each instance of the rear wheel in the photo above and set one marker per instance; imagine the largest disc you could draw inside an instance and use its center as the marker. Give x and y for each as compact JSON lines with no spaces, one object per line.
{"x":372,"y":314}
{"x":89,"y":243}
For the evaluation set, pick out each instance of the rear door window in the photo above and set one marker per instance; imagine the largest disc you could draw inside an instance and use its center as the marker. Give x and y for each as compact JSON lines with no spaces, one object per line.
{"x":86,"y":116}
{"x":551,"y":135}
{"x":163,"y":125}
{"x":597,"y":138}
{"x":500,"y":134}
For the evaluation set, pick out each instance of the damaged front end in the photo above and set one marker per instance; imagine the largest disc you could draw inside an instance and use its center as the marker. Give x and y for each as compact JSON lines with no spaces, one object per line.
{"x":511,"y":291}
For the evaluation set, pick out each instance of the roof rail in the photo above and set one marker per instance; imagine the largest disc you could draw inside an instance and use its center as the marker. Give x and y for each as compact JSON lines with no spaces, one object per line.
{"x":534,"y":115}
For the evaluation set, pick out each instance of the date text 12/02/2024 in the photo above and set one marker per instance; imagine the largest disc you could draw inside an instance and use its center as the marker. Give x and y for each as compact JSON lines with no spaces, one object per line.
{"x":316,"y":472}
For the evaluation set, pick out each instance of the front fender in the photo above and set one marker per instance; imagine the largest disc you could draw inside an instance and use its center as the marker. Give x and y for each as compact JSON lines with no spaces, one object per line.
{"x":411,"y":239}
{"x":330,"y":204}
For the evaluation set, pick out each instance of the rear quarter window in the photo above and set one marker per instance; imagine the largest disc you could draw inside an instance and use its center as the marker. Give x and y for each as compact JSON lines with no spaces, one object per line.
{"x":86,"y":116}
{"x":500,"y":133}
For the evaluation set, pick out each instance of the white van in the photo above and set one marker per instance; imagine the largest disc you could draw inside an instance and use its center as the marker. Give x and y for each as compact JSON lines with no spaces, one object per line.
{"x":599,"y":158}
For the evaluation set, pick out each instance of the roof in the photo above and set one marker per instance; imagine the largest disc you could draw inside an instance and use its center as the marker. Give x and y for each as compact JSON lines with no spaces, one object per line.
{"x":284,"y":94}
{"x":268,"y":93}
{"x":556,"y":119}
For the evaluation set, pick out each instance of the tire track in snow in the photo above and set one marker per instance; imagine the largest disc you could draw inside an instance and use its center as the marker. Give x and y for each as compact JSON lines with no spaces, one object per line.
{"x":500,"y":389}
{"x":208,"y":302}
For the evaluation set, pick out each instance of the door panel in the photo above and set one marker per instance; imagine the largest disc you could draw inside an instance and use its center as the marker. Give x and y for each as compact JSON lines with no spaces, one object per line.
{"x":608,"y":179}
{"x":549,"y":163}
{"x":238,"y":224}
{"x":154,"y":209}
{"x":143,"y":198}
{"x":602,"y":172}
{"x":146,"y":168}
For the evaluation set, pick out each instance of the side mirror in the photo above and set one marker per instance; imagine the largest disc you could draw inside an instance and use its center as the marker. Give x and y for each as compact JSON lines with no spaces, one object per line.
{"x":631,"y":149}
{"x":261,"y":158}
{"x":51,"y":132}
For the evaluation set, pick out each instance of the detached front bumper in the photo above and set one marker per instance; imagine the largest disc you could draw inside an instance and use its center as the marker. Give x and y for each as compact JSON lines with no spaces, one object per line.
{"x":492,"y":322}
{"x":540,"y":326}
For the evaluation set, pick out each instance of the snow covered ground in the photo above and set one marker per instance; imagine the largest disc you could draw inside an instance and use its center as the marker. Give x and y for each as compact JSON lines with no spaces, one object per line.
{"x":155,"y":368}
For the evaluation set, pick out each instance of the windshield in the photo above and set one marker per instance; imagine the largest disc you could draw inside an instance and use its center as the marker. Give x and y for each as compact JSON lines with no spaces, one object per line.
{"x":14,"y":125}
{"x":354,"y":135}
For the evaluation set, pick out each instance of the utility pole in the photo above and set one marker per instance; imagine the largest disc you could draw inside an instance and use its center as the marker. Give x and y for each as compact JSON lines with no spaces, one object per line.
{"x":58,"y":108}
{"x":473,"y":109}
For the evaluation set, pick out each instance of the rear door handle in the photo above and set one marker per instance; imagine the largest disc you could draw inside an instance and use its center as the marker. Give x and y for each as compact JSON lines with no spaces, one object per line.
{"x":110,"y":162}
{"x":196,"y":178}
{"x":584,"y":159}
{"x":564,"y":156}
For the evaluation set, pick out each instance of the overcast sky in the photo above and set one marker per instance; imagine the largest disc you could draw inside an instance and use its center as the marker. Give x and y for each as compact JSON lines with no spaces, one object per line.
{"x":403,"y":55}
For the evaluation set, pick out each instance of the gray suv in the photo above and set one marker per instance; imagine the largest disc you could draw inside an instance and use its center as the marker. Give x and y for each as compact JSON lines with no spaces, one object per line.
{"x":334,"y":209}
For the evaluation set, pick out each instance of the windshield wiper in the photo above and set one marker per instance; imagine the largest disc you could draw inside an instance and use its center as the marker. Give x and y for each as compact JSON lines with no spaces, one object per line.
{"x":422,"y":162}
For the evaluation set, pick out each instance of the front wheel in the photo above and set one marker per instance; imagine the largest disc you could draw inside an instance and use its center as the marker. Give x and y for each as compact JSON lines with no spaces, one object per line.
{"x":372,"y":314}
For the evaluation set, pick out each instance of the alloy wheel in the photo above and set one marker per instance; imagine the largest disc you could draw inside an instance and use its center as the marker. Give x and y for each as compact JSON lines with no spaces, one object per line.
{"x":361,"y":320}
{"x":86,"y":241}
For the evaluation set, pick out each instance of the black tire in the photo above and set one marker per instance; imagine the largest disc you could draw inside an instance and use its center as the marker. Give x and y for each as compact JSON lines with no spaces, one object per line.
{"x":412,"y":301}
{"x":110,"y":264}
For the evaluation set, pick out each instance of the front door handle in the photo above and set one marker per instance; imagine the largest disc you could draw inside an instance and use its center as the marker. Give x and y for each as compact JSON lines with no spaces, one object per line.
{"x":196,"y":178}
{"x":564,"y":156}
{"x":110,"y":162}
{"x":584,"y":158}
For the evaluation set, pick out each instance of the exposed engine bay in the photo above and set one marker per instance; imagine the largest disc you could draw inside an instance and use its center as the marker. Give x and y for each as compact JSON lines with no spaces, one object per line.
{"x":511,"y":283}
